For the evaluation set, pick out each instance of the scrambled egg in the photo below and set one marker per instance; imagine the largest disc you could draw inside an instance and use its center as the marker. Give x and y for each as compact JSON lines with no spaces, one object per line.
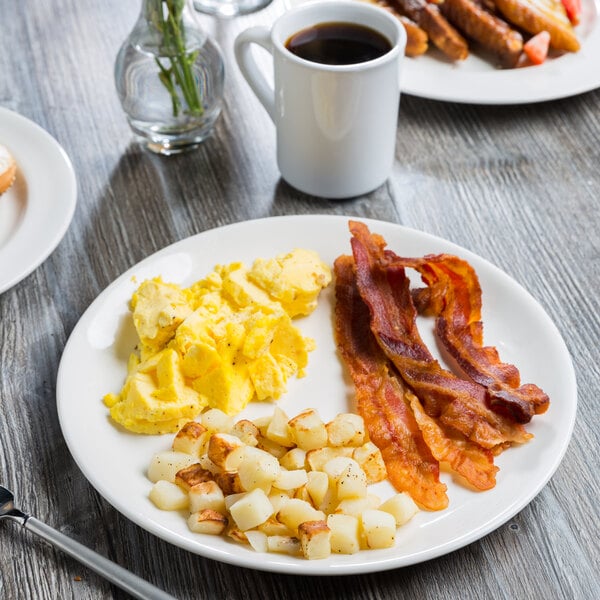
{"x":226,"y":340}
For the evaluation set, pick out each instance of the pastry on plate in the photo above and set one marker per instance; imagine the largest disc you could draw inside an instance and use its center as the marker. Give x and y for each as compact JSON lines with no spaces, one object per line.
{"x":8,"y":169}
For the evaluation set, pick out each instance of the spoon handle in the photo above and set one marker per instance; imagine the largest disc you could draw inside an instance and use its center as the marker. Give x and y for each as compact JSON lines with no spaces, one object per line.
{"x":126,"y":580}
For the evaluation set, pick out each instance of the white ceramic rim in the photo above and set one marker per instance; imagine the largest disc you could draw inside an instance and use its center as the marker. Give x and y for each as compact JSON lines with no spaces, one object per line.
{"x":45,"y":192}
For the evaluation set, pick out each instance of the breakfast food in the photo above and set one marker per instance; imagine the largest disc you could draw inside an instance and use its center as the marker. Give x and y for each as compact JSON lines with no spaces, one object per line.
{"x":534,"y":16}
{"x":296,"y":485}
{"x":8,"y":169}
{"x":417,"y":40}
{"x":487,"y":29}
{"x":453,"y":297}
{"x":416,"y":411}
{"x":381,"y":398}
{"x":224,"y":341}
{"x":300,"y":485}
{"x":501,"y":28}
{"x":427,"y":15}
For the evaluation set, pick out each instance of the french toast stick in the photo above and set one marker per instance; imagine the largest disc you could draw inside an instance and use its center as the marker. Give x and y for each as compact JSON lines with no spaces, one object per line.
{"x":417,"y":40}
{"x":440,"y":32}
{"x":534,"y":16}
{"x":480,"y":25}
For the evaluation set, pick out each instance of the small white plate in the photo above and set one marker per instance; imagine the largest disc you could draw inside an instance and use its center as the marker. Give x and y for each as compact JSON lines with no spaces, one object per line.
{"x":477,"y":81}
{"x":37,"y":210}
{"x":115,"y":462}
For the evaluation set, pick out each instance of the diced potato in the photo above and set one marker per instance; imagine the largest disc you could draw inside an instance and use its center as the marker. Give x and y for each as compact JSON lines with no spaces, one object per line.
{"x":283,"y":544}
{"x":278,"y":499}
{"x":356,"y":506}
{"x":336,"y":466}
{"x":258,"y":540}
{"x":278,"y":429}
{"x":308,"y":431}
{"x":318,"y":457}
{"x":346,"y":429}
{"x":247,"y":431}
{"x":191,"y":438}
{"x":402,"y":507}
{"x":273,"y":448}
{"x":295,"y":486}
{"x":237,"y":535}
{"x":315,"y":539}
{"x":206,"y":495}
{"x":192,"y":475}
{"x":251,"y":510}
{"x":368,"y":456}
{"x":262,"y":423}
{"x":229,"y":482}
{"x":273,"y":527}
{"x":352,"y":482}
{"x":216,"y":420}
{"x":379,"y":528}
{"x":296,"y":511}
{"x":302,"y":494}
{"x":290,"y":480}
{"x":345,"y":533}
{"x":207,"y":521}
{"x":330,"y":501}
{"x":276,"y":491}
{"x":258,"y":469}
{"x":168,"y":496}
{"x":226,"y":451}
{"x":208,"y":464}
{"x":164,"y":465}
{"x":317,"y":485}
{"x":233,"y":498}
{"x":293,"y":459}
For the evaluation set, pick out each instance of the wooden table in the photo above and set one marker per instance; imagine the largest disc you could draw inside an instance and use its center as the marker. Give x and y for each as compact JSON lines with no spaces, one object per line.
{"x":517,"y":185}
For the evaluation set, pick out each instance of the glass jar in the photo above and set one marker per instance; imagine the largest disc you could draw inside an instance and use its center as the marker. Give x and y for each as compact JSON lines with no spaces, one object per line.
{"x":169,"y":76}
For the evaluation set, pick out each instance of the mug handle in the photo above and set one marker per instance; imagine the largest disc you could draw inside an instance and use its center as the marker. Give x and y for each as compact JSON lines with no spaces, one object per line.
{"x":256,"y":80}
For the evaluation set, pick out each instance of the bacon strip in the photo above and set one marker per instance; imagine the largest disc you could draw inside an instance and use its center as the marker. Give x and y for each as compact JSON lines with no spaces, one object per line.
{"x":455,"y":402}
{"x":475,"y":464}
{"x":455,"y":299}
{"x":381,"y":398}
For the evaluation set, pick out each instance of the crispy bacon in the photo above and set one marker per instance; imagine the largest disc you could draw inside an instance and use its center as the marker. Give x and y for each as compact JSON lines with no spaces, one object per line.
{"x":455,"y":299}
{"x":454,"y":402}
{"x":474,"y":463}
{"x":381,"y":398}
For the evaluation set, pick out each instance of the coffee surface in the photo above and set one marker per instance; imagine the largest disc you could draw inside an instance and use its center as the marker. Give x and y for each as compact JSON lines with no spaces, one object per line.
{"x":338,"y":43}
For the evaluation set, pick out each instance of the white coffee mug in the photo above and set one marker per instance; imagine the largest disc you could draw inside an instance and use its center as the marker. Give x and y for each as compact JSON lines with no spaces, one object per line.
{"x":336,"y":124}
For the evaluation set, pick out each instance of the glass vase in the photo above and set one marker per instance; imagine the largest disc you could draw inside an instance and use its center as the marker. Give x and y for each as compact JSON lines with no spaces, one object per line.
{"x":230,"y":8}
{"x":169,"y":76}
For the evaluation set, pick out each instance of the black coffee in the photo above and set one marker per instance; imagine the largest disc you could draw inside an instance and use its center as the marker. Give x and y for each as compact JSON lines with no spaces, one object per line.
{"x":338,"y":44}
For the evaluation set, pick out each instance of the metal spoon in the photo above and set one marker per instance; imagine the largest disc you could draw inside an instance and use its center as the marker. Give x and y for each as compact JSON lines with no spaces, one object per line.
{"x":126,"y":580}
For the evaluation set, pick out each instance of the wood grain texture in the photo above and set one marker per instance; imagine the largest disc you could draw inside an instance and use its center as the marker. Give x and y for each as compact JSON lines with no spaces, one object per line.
{"x":519,"y":186}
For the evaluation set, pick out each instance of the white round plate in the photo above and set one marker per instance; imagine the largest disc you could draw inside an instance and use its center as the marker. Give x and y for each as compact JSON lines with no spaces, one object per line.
{"x":477,"y":81}
{"x":115,"y":462}
{"x":37,"y":210}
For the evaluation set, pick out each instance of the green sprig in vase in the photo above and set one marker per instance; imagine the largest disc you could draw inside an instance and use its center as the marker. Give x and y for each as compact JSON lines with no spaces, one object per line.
{"x":169,"y":76}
